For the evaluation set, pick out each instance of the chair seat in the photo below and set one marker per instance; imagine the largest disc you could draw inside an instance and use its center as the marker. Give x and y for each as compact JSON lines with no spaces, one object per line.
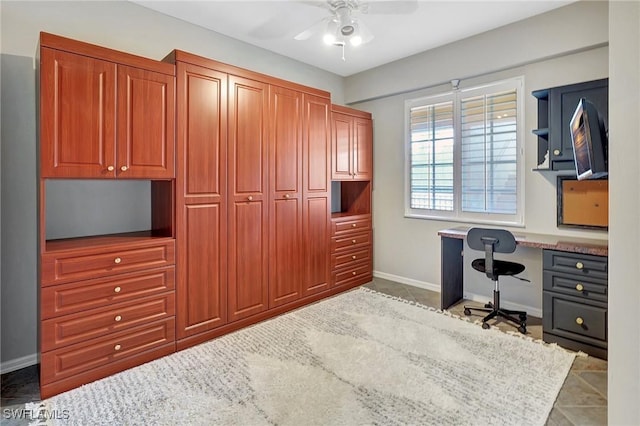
{"x":500,"y":267}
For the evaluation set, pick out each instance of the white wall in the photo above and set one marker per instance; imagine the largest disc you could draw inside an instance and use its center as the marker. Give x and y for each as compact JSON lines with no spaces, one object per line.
{"x":118,"y":25}
{"x":624,"y":204}
{"x":408,"y":250}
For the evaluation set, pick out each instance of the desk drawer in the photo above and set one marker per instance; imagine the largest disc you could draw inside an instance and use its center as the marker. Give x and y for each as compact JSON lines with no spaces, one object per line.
{"x":346,"y":242}
{"x":582,"y":265}
{"x":85,"y":356}
{"x":588,"y":289}
{"x":76,"y":297}
{"x":79,"y":327}
{"x":82,"y":264}
{"x":570,"y":317}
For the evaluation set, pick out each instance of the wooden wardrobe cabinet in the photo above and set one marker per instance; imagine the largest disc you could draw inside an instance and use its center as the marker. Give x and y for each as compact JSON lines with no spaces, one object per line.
{"x":352,"y":153}
{"x":101,"y":118}
{"x":107,"y":302}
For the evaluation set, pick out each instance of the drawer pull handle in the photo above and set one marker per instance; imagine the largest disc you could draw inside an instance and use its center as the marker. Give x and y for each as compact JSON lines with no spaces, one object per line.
{"x":110,"y":168}
{"x":124,"y":168}
{"x":353,"y":257}
{"x":353,"y":241}
{"x":118,"y":318}
{"x":353,"y":225}
{"x":117,"y":260}
{"x":579,"y":265}
{"x":117,"y":347}
{"x":579,"y":321}
{"x":117,"y":289}
{"x":354,"y":273}
{"x":579,"y":287}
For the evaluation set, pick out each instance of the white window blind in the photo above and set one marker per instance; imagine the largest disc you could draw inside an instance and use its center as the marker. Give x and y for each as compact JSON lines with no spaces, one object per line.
{"x":464,"y":155}
{"x":432,"y":156}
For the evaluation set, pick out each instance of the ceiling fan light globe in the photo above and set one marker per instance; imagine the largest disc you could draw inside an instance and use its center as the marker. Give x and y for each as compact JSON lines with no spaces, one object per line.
{"x":329,"y":38}
{"x":355,"y":40}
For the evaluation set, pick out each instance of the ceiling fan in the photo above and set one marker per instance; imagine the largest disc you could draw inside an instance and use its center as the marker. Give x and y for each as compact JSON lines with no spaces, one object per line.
{"x":343,"y":25}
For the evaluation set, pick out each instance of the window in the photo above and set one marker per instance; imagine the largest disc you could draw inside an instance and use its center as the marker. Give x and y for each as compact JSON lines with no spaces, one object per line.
{"x":464,"y":155}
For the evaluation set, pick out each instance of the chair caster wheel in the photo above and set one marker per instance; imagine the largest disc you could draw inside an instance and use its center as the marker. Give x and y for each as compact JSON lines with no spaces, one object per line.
{"x":467,"y":311}
{"x":523,"y":317}
{"x":522,"y":329}
{"x":485,"y":326}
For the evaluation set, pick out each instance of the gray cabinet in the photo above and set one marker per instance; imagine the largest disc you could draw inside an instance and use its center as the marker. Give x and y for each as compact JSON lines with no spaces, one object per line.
{"x":555,"y":110}
{"x":574,"y":301}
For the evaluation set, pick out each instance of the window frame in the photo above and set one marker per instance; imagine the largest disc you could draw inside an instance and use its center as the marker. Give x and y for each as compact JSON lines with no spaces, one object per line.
{"x":457,"y":215}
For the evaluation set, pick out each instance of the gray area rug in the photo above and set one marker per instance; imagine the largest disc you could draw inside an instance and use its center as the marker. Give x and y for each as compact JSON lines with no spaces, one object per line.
{"x":357,"y":358}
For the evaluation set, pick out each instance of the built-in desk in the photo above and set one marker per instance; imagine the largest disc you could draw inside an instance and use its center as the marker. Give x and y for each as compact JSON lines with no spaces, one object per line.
{"x":574,"y":284}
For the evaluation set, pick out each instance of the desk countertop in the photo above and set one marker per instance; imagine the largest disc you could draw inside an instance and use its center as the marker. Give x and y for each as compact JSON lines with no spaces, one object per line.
{"x":544,"y":241}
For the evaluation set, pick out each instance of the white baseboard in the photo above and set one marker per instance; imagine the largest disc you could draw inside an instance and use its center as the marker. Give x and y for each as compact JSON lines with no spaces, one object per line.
{"x":536,"y":312}
{"x":408,"y":281}
{"x":18,"y":363}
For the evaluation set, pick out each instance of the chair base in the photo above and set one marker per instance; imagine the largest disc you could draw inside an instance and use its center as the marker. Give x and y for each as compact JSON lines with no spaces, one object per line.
{"x":494,"y":311}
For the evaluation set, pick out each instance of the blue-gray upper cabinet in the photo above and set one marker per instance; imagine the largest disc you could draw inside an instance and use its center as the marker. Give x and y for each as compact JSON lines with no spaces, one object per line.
{"x":555,"y":108}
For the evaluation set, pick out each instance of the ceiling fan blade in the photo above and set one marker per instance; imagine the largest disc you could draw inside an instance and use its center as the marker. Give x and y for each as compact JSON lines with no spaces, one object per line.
{"x":315,"y":28}
{"x":390,"y":7}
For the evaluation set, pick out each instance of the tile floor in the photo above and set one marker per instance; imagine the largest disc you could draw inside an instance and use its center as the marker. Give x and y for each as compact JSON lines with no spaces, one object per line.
{"x":582,"y":399}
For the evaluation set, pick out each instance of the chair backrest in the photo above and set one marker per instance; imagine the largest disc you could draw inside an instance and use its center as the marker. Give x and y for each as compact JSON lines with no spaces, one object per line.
{"x":503,"y":240}
{"x":491,"y":241}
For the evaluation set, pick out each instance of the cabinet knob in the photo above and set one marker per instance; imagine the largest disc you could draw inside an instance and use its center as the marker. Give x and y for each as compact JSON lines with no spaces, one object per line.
{"x":110,"y":168}
{"x":579,"y":287}
{"x":286,"y":195}
{"x":353,"y":257}
{"x":353,"y":241}
{"x":579,"y":265}
{"x":124,"y":168}
{"x":118,"y":318}
{"x":250,"y":198}
{"x":579,"y":321}
{"x":117,"y":347}
{"x":353,"y":225}
{"x":354,"y":273}
{"x":117,"y":290}
{"x":556,"y":152}
{"x":117,"y":260}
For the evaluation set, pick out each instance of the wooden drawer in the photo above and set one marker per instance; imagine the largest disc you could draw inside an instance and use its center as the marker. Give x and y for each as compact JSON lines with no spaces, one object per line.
{"x":589,"y":289}
{"x":84,"y":356}
{"x":82,"y":264}
{"x":570,"y":317}
{"x":79,"y":327}
{"x":357,"y":272}
{"x":349,"y":257}
{"x":350,"y":241}
{"x":76,"y":297}
{"x":583,"y":265}
{"x":339,"y":227}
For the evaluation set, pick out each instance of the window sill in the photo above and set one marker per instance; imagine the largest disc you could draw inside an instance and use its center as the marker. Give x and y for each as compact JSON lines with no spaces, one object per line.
{"x":472,"y":220}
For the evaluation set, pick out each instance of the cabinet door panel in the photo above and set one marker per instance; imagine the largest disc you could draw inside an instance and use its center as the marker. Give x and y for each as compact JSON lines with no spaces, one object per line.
{"x":248,"y":211}
{"x":363,"y":149}
{"x":248,"y":267}
{"x":202,"y":276}
{"x":202,"y":133}
{"x":317,"y":145}
{"x":77,"y":108}
{"x":146,"y":132}
{"x":342,"y":152}
{"x":285,"y":244}
{"x":317,"y":248}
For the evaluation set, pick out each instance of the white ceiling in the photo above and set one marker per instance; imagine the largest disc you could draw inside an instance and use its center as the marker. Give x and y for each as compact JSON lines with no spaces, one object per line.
{"x":272,"y":25}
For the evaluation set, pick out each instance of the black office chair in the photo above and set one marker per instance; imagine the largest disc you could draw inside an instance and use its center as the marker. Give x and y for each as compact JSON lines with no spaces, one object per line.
{"x":496,"y":241}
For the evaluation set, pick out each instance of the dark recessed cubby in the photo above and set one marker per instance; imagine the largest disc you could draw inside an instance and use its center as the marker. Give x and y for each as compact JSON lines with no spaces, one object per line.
{"x":355,"y":198}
